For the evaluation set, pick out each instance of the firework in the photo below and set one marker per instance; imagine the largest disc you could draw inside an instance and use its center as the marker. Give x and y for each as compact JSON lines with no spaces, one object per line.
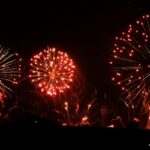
{"x":83,"y":110}
{"x":131,"y":60}
{"x":53,"y":71}
{"x":10,"y":71}
{"x":72,"y":114}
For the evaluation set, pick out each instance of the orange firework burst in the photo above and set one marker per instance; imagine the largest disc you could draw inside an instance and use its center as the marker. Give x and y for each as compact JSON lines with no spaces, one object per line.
{"x":52,"y":71}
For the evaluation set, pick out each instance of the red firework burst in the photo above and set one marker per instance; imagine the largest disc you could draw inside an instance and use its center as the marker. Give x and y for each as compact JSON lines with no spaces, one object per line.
{"x":131,"y":55}
{"x":52,"y":71}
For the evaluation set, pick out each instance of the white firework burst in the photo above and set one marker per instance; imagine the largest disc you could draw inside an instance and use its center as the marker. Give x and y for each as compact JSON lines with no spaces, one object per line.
{"x":10,"y":70}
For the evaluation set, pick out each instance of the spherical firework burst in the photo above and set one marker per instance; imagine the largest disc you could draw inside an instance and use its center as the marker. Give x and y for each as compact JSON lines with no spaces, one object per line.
{"x":131,"y":60}
{"x":10,"y":71}
{"x":52,"y":71}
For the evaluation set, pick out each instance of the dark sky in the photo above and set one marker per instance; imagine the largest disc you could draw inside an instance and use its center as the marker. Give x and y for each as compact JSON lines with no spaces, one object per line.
{"x":85,"y":30}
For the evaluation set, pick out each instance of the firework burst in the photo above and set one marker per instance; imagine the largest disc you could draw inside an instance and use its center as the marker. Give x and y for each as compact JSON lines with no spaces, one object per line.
{"x":10,"y":71}
{"x":52,"y":71}
{"x":131,"y":60}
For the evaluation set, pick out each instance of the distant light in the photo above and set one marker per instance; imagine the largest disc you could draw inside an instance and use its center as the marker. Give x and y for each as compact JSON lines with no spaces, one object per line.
{"x":35,"y":121}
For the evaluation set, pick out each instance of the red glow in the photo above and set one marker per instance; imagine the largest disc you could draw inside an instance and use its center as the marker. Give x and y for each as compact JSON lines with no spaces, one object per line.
{"x":52,"y":71}
{"x":1,"y":96}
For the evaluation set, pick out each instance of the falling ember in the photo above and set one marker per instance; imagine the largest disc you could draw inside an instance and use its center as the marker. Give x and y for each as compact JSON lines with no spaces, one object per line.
{"x":136,"y":119}
{"x":110,"y":62}
{"x":148,"y":123}
{"x":84,"y":120}
{"x":66,"y":106}
{"x":1,"y":97}
{"x":111,"y":126}
{"x":89,"y":106}
{"x":10,"y":71}
{"x":52,"y":71}
{"x":131,"y":65}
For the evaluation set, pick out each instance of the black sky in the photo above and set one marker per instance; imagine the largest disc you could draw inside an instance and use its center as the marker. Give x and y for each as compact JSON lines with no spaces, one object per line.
{"x":85,"y":30}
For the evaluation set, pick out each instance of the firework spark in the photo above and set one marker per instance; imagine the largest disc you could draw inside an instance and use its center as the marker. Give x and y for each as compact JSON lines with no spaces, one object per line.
{"x":75,"y":118}
{"x":52,"y":71}
{"x":131,"y":60}
{"x":10,"y":71}
{"x":83,"y":110}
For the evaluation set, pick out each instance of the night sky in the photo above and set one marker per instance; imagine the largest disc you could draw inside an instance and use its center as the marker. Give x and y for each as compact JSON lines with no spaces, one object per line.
{"x":85,"y":30}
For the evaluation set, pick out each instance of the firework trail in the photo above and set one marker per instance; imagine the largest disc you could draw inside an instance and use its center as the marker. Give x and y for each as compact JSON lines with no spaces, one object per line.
{"x":85,"y":110}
